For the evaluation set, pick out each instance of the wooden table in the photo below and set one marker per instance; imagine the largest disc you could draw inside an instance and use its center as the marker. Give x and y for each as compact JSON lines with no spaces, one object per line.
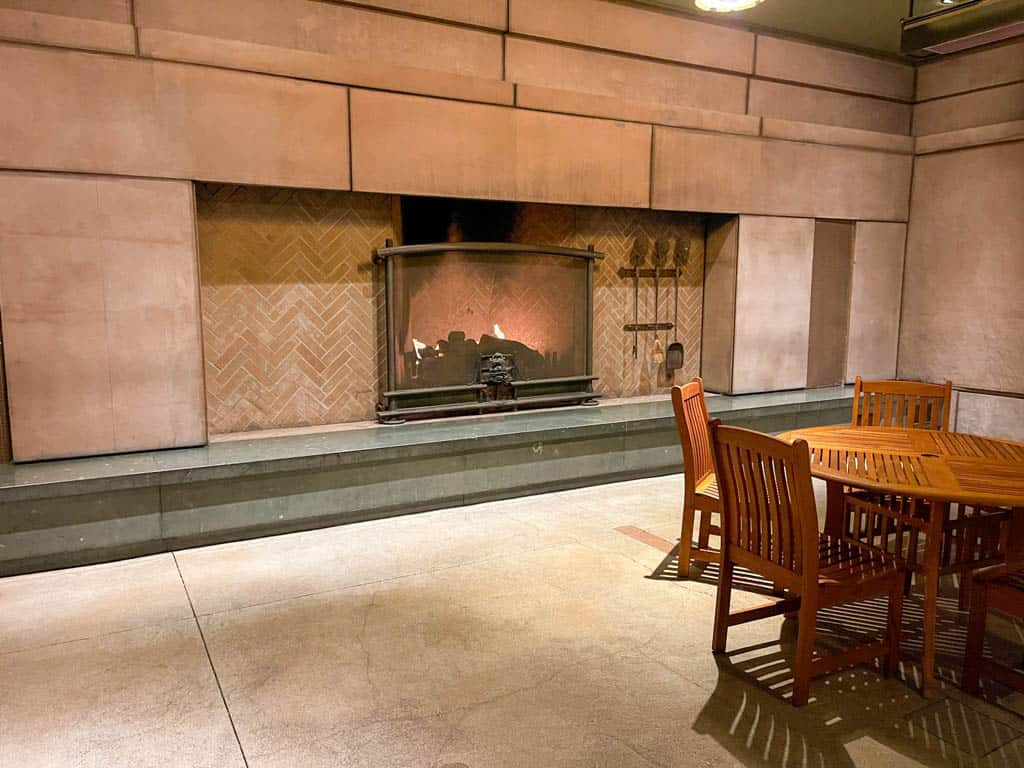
{"x":942,"y":467}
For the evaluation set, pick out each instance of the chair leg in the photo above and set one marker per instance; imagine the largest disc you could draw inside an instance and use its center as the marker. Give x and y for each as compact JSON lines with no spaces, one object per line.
{"x":686,"y":542}
{"x":804,"y":650}
{"x":704,"y":538}
{"x":975,"y":638}
{"x":722,"y":606}
{"x":892,"y":666}
{"x":964,"y":596}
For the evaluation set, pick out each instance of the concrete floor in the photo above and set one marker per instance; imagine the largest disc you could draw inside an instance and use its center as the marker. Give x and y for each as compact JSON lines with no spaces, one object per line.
{"x":528,"y":632}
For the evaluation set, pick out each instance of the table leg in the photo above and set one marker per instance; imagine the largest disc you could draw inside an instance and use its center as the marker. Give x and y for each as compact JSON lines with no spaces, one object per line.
{"x":932,"y":551}
{"x":834,"y":504}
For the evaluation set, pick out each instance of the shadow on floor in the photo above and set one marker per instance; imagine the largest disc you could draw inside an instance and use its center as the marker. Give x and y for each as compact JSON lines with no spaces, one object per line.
{"x":857,"y":709}
{"x":855,"y":717}
{"x":855,"y":623}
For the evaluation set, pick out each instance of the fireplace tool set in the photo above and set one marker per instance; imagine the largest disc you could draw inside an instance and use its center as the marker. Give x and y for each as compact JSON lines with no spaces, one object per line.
{"x":672,"y":355}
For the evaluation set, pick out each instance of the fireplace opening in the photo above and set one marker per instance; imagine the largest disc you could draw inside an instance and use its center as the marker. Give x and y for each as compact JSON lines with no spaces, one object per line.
{"x":485,"y":326}
{"x":443,"y":219}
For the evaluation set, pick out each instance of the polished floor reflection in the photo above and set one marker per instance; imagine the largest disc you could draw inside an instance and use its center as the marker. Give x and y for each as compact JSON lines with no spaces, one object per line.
{"x":544,"y":631}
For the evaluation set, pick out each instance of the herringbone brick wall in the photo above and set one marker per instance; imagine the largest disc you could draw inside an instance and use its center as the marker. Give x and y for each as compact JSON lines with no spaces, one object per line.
{"x":288,"y":297}
{"x":290,"y":321}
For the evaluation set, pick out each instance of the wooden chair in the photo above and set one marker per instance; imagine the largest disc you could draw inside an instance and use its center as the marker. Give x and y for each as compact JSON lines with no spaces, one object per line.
{"x":700,"y":487}
{"x":972,"y":536}
{"x":1000,"y":587}
{"x":907,"y":404}
{"x":770,"y":527}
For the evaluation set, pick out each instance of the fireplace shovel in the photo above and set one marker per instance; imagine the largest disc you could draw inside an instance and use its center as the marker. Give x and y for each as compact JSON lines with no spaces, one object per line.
{"x":674,"y":352}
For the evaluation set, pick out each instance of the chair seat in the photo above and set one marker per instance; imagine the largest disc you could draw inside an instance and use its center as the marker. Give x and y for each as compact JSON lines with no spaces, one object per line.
{"x":972,"y":535}
{"x":845,"y":563}
{"x":708,"y":487}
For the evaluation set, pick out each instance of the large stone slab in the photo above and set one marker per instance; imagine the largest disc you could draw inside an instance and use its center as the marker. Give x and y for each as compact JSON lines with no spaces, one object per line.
{"x":1001,"y":104}
{"x":815,"y":133}
{"x":947,"y":75}
{"x":962,"y":316}
{"x":356,"y":33}
{"x":100,"y":308}
{"x":594,"y":105}
{"x":618,"y":27}
{"x":773,"y":300}
{"x":830,"y":303}
{"x":969,"y":137}
{"x":817,"y":65}
{"x":767,"y":176}
{"x":875,"y":296}
{"x":330,"y":68}
{"x":482,"y":13}
{"x":536,"y":63}
{"x":96,"y":25}
{"x":814,"y":105}
{"x":168,"y":120}
{"x":420,"y":146}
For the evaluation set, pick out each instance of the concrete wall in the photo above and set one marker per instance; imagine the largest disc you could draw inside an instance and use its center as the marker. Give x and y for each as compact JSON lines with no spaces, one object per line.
{"x":962,"y":317}
{"x":173,"y":108}
{"x":773,"y":299}
{"x":580,"y":102}
{"x":830,"y":303}
{"x":760,"y":298}
{"x":876,"y":294}
{"x":490,"y":152}
{"x":799,"y":302}
{"x":100,"y":314}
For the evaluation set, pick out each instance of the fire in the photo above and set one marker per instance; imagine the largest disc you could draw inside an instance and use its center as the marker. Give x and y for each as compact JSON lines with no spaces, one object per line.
{"x":498,"y":332}
{"x":418,"y":345}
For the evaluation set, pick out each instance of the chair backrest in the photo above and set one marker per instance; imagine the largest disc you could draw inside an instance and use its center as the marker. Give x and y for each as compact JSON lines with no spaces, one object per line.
{"x":769,"y":520}
{"x":692,"y":422}
{"x":907,"y":404}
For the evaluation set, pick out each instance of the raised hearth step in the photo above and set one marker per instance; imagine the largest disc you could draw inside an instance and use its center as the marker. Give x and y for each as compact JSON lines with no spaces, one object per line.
{"x":490,"y":405}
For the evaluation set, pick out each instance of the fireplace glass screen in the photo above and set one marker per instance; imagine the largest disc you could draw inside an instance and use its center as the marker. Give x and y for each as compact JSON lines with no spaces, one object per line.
{"x":490,"y":316}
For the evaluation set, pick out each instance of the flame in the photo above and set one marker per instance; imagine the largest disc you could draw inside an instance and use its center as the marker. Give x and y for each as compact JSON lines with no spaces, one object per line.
{"x":418,"y":345}
{"x":498,"y":332}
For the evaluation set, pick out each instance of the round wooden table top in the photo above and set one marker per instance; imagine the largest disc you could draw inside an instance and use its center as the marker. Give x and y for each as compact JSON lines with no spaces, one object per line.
{"x":940,"y":466}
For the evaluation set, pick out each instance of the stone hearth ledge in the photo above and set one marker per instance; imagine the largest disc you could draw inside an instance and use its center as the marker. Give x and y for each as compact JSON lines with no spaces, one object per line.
{"x":68,"y":512}
{"x":348,"y":445}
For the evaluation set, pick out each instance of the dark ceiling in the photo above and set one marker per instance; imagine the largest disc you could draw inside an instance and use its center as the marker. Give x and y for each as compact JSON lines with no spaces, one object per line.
{"x":867,"y":25}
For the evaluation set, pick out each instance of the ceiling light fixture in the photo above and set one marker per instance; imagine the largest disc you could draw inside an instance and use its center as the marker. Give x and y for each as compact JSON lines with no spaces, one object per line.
{"x":726,"y":6}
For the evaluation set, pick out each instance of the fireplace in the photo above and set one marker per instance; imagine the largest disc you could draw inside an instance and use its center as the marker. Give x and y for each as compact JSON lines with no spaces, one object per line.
{"x":478,"y":327}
